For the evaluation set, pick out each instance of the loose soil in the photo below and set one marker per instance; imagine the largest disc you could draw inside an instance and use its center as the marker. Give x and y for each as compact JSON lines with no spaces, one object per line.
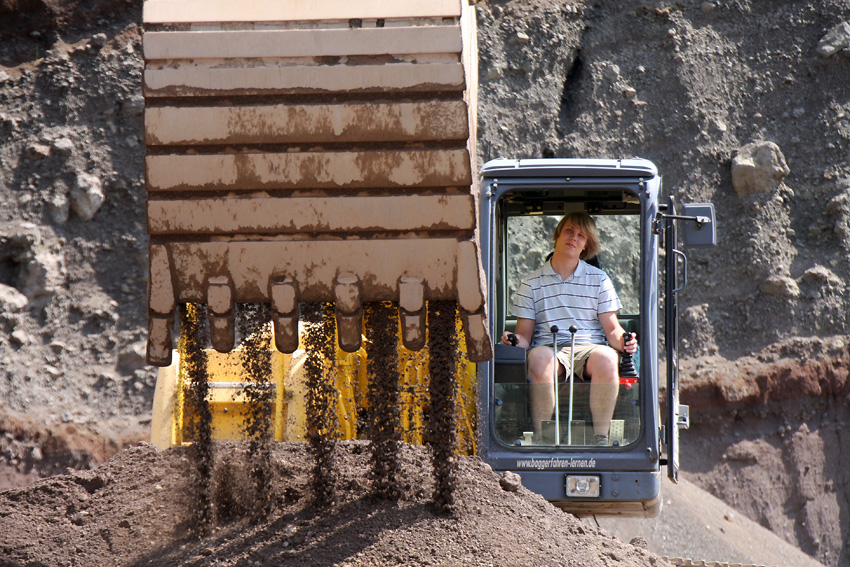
{"x":135,"y":510}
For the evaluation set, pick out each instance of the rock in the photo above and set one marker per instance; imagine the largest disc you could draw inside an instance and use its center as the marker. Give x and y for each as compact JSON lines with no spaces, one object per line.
{"x":640,"y":542}
{"x":839,"y":209}
{"x":494,"y":72}
{"x":11,"y":299}
{"x":42,"y":274}
{"x":822,"y":276}
{"x":836,"y":39}
{"x":780,"y":285}
{"x":39,"y":271}
{"x":87,"y":196}
{"x":707,"y":7}
{"x":758,"y":167}
{"x":611,"y":72}
{"x":20,"y":337}
{"x":98,"y":40}
{"x":133,"y":357}
{"x":59,"y":208}
{"x":744,"y":452}
{"x":36,"y":151}
{"x":63,"y":146}
{"x":510,"y":481}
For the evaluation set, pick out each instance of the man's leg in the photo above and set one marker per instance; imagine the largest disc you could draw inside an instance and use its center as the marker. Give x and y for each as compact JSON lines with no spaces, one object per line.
{"x":541,"y":389}
{"x":602,"y":368}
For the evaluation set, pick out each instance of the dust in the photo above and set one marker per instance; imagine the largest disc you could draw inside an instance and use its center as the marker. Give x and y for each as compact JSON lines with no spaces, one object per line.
{"x":442,"y":344}
{"x":381,"y":321}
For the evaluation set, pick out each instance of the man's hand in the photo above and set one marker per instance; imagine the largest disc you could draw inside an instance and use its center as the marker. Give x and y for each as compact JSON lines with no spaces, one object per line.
{"x":523,"y":332}
{"x":509,"y":338}
{"x":630,"y":343}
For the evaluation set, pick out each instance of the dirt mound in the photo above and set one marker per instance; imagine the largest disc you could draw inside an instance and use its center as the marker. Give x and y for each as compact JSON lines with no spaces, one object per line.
{"x":136,"y":509}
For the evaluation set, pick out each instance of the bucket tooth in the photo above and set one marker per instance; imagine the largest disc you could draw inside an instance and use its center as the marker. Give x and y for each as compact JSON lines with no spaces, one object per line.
{"x":470,"y":298}
{"x":478,"y":344}
{"x":221,"y":313}
{"x":159,"y":340}
{"x":469,"y":283}
{"x":411,"y":309}
{"x":284,"y":296}
{"x":349,"y":312}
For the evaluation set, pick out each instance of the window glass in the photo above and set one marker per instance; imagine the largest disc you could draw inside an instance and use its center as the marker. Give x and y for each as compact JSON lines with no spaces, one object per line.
{"x":528,"y":243}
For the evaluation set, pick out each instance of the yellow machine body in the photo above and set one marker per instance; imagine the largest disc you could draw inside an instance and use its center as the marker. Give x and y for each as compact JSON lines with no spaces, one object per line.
{"x":228,"y":402}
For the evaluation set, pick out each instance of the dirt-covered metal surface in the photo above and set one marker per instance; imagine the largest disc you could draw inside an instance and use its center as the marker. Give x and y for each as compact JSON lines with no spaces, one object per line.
{"x":256,"y":194}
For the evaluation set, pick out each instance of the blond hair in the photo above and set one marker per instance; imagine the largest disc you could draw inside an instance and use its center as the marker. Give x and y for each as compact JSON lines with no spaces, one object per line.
{"x":584,"y":223}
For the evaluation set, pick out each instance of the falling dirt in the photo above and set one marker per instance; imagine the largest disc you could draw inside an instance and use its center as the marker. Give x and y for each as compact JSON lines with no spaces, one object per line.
{"x":198,"y":418}
{"x":221,"y":495}
{"x":255,"y":357}
{"x":442,"y":344}
{"x":321,"y":418}
{"x":381,"y":323}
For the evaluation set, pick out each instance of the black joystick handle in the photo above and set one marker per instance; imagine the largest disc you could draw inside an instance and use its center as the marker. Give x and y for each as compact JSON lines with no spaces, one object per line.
{"x":627,"y":363}
{"x":512,"y":339}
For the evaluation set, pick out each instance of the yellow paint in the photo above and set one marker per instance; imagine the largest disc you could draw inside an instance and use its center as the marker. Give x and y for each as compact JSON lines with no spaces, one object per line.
{"x":349,"y":373}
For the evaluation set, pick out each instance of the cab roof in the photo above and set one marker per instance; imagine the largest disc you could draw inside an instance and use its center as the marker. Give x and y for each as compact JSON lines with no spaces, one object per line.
{"x":560,"y":167}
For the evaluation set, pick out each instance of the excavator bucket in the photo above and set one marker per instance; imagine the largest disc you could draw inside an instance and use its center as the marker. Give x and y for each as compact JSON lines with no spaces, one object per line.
{"x":303,"y":151}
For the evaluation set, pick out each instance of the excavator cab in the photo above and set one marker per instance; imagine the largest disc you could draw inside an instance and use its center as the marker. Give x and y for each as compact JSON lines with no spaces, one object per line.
{"x":521,"y":204}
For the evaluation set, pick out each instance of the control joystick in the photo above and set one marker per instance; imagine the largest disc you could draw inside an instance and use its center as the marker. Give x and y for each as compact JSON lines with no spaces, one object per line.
{"x":627,"y":363}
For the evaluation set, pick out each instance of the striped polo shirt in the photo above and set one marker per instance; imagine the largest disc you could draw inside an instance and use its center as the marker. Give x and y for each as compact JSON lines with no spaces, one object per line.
{"x":578,"y":300}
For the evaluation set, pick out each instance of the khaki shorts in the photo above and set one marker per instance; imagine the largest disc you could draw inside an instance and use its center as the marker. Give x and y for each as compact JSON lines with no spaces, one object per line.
{"x":582,"y":354}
